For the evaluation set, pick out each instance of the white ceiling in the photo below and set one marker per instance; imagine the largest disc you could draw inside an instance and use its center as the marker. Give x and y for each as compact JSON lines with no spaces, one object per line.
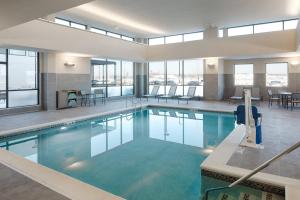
{"x":167,"y":17}
{"x":14,"y":12}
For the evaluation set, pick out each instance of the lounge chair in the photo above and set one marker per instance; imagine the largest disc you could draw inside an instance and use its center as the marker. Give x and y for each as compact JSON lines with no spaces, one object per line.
{"x":238,"y":94}
{"x":255,"y":95}
{"x":171,"y":94}
{"x":82,"y":96}
{"x":191,"y":115}
{"x":190,"y":94}
{"x":153,"y":93}
{"x":173,"y":114}
{"x":99,"y":94}
{"x":273,"y":97}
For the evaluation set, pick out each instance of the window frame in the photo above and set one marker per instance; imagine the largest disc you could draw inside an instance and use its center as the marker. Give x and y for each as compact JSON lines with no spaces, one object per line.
{"x":76,"y":23}
{"x":164,"y":41}
{"x":288,"y":21}
{"x":267,"y":23}
{"x":251,"y":25}
{"x":37,"y":80}
{"x":127,"y":38}
{"x":69,"y":23}
{"x":234,"y":73}
{"x":220,"y":33}
{"x":105,"y":74}
{"x":110,"y":34}
{"x":174,"y":36}
{"x":100,"y":30}
{"x":182,"y":68}
{"x":287,"y":74}
{"x":198,"y":32}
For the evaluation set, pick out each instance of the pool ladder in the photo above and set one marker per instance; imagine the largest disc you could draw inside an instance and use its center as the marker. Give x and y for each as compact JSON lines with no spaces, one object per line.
{"x":254,"y":171}
{"x":134,"y":102}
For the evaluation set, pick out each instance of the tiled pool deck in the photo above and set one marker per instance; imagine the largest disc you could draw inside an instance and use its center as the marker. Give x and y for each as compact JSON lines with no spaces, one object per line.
{"x":280,"y":129}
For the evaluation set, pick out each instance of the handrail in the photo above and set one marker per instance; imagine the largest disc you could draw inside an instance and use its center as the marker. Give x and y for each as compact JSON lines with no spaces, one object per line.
{"x":256,"y":170}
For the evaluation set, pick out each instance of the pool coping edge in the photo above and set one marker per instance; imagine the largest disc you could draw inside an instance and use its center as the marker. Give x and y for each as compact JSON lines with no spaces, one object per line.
{"x":216,"y":162}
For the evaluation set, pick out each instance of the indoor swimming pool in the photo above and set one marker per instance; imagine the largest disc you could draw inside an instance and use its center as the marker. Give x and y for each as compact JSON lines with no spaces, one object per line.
{"x":151,"y":153}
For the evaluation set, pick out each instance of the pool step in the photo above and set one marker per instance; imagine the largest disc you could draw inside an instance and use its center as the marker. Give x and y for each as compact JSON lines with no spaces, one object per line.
{"x":270,"y":196}
{"x":247,"y":196}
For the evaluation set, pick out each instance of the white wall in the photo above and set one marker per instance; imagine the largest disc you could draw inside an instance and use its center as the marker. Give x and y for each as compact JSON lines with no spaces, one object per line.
{"x":56,"y":64}
{"x":14,"y":12}
{"x":47,"y":36}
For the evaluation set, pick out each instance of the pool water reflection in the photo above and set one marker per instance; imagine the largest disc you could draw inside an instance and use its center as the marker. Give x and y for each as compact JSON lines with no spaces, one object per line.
{"x":149,"y":154}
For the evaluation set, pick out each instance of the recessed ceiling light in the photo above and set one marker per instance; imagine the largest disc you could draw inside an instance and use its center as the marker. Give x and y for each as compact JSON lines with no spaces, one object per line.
{"x":109,"y":15}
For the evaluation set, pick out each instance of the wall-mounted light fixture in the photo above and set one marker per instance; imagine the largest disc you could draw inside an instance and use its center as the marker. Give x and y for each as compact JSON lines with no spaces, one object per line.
{"x":294,"y":63}
{"x":68,"y":64}
{"x":211,"y":66}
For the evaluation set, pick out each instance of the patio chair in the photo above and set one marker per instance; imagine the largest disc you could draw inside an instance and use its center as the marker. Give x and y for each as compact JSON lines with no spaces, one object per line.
{"x":99,"y":94}
{"x":82,"y":96}
{"x":190,"y":94}
{"x":238,"y":95}
{"x":273,"y":97}
{"x":154,"y":92}
{"x":295,"y":100}
{"x":255,"y":95}
{"x":171,"y":93}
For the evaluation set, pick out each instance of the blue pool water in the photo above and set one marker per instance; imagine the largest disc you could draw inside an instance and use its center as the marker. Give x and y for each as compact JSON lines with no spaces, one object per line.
{"x":153,"y":153}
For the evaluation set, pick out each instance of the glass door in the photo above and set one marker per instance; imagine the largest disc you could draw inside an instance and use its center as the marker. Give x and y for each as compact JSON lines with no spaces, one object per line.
{"x":3,"y":94}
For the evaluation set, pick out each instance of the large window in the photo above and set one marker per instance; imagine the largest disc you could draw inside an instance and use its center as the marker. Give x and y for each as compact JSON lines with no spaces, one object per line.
{"x":157,"y":41}
{"x":127,"y":38}
{"x":157,"y":76}
{"x":93,"y":29}
{"x":193,"y":36}
{"x":62,"y":22}
{"x":268,"y":27}
{"x":79,"y":26}
{"x":193,"y":75}
{"x":243,"y":30}
{"x":220,"y":33}
{"x":290,"y":24}
{"x":177,"y":72}
{"x":115,"y":77}
{"x":19,"y":79}
{"x":243,"y":74}
{"x":127,"y":78}
{"x":113,"y":35}
{"x":174,"y":76}
{"x":2,"y":85}
{"x":174,"y":39}
{"x":2,"y":55}
{"x":277,"y":75}
{"x":262,"y":28}
{"x":96,"y":30}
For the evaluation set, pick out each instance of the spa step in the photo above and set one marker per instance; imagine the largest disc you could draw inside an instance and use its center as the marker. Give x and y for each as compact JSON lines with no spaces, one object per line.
{"x":247,"y":196}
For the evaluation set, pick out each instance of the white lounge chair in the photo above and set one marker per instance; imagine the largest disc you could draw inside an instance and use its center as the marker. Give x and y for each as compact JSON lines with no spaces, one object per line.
{"x":238,"y":94}
{"x":154,"y":92}
{"x":171,"y":94}
{"x":190,"y":94}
